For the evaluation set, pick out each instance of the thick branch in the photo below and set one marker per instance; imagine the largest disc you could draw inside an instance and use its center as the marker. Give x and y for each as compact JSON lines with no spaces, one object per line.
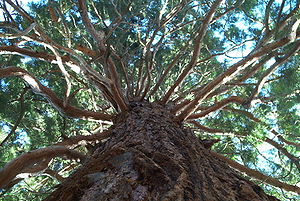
{"x":256,"y":67}
{"x":22,"y":162}
{"x":89,"y":72}
{"x":217,"y":106}
{"x":287,"y":142}
{"x":267,"y":15}
{"x":294,"y":159}
{"x":99,"y":36}
{"x":74,"y":141}
{"x":168,"y":69}
{"x":19,"y":33}
{"x":266,"y":75}
{"x":257,"y":175}
{"x":196,"y":52}
{"x":39,"y":166}
{"x":21,"y":11}
{"x":38,"y":88}
{"x":18,"y":121}
{"x":228,"y":75}
{"x":206,"y":129}
{"x":35,"y":54}
{"x":248,"y":114}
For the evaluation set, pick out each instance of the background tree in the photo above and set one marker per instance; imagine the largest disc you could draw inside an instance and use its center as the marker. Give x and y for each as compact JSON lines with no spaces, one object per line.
{"x":99,"y":76}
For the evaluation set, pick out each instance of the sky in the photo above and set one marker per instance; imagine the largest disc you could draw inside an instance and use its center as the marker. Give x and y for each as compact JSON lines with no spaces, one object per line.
{"x":264,"y":148}
{"x":23,"y":3}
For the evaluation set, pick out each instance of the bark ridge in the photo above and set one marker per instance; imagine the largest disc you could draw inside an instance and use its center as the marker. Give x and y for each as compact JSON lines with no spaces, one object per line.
{"x":151,"y":157}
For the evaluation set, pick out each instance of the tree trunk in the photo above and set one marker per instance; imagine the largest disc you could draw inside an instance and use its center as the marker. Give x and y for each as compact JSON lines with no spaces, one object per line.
{"x":151,"y":157}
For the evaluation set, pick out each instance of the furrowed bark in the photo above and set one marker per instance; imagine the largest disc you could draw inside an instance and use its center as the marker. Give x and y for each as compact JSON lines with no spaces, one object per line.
{"x":151,"y":157}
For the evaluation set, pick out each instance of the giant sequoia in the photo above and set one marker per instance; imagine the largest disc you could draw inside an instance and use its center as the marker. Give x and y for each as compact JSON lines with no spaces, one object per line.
{"x":149,"y":100}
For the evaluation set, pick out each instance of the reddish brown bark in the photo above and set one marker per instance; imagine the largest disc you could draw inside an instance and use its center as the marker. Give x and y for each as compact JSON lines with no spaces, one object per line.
{"x":34,"y":161}
{"x":150,"y":157}
{"x":38,"y":88}
{"x":34,"y":54}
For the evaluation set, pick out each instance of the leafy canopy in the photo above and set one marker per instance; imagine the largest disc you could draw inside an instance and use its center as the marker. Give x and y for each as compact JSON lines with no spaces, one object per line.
{"x":227,"y":69}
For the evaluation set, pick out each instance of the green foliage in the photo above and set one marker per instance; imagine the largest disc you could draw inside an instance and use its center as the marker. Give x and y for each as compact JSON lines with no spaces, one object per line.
{"x":129,"y":26}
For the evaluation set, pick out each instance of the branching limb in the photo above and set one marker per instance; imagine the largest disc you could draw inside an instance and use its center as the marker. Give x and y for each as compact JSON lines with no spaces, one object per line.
{"x":38,"y":88}
{"x":194,"y":90}
{"x":293,"y":159}
{"x":197,"y":46}
{"x":123,"y":68}
{"x":54,"y":174}
{"x":64,"y":72}
{"x":81,"y":66}
{"x":286,"y":141}
{"x":99,"y":37}
{"x":257,"y":175}
{"x":228,"y":75}
{"x":53,"y":14}
{"x":206,"y":129}
{"x":280,"y":11}
{"x":168,"y":69}
{"x":267,"y":16}
{"x":252,"y":70}
{"x":11,"y":49}
{"x":39,"y":166}
{"x":74,"y":141}
{"x":19,"y":164}
{"x":266,"y":75}
{"x":150,"y":62}
{"x":256,"y":67}
{"x":21,"y":11}
{"x":237,"y":4}
{"x":21,"y":115}
{"x":217,"y":106}
{"x":19,"y":33}
{"x":247,"y":114}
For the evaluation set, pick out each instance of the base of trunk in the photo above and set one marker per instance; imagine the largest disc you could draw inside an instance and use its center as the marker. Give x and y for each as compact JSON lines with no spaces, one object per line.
{"x":151,"y":157}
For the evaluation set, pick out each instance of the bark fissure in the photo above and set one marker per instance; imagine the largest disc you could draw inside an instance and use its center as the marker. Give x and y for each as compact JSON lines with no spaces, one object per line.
{"x":151,"y":157}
